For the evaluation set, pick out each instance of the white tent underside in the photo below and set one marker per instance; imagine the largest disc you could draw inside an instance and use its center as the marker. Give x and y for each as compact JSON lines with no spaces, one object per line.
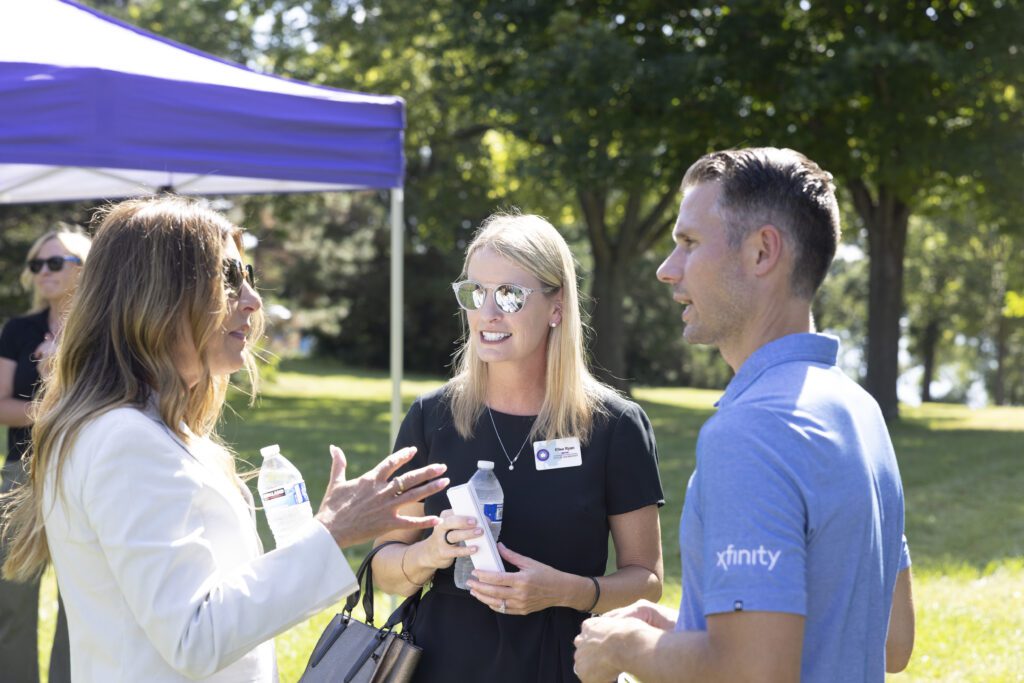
{"x":25,"y":183}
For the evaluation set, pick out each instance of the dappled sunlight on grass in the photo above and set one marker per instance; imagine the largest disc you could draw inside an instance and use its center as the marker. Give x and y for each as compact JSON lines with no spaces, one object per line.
{"x":947,"y":416}
{"x":970,"y":625}
{"x":963,"y":490}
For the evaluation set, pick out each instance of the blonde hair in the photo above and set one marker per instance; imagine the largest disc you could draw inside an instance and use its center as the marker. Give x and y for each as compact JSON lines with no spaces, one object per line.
{"x":156,"y":272}
{"x":572,"y":396}
{"x":71,"y":238}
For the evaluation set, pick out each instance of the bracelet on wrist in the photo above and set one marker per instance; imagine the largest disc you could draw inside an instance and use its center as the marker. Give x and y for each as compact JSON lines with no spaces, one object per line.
{"x":401,"y":565}
{"x":597,"y":594}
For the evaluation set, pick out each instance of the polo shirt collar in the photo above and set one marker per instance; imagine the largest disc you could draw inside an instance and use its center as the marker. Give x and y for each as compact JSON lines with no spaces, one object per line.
{"x":807,"y":347}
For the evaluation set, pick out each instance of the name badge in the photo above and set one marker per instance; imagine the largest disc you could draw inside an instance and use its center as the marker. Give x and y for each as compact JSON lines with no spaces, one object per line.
{"x":557,"y":453}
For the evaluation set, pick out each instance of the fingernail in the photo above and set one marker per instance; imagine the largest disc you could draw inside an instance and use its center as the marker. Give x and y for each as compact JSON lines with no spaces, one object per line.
{"x":478,"y":532}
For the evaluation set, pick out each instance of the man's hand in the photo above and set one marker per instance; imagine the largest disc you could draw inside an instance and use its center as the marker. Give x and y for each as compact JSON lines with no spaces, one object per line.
{"x":362,"y":509}
{"x":598,"y":646}
{"x":650,"y":613}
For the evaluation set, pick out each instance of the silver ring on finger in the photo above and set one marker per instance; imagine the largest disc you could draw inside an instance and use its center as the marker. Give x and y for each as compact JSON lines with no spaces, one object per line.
{"x":448,"y":540}
{"x":401,"y":489}
{"x":504,"y":607}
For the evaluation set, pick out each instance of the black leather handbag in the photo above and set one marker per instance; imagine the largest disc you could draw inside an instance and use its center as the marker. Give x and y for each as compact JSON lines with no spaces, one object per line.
{"x":350,"y":651}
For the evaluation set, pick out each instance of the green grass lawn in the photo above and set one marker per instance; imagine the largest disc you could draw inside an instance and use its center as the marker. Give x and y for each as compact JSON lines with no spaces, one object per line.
{"x":963,"y":471}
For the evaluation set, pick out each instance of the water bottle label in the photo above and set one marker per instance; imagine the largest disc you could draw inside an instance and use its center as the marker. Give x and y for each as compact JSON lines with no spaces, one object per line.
{"x":285,"y":496}
{"x":494,"y":511}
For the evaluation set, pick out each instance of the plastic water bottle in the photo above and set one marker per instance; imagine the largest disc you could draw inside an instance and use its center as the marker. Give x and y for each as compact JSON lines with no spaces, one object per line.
{"x":492,"y":498}
{"x":284,"y":497}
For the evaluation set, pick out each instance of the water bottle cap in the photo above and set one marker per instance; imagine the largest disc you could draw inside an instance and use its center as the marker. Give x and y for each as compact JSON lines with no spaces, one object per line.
{"x":485,"y":464}
{"x":270,"y":451}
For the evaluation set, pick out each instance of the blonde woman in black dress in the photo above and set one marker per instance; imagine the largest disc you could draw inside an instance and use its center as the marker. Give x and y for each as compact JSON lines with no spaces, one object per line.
{"x":522,"y":380}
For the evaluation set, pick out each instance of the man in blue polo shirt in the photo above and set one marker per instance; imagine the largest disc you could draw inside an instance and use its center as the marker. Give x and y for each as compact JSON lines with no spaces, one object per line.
{"x":795,"y":566}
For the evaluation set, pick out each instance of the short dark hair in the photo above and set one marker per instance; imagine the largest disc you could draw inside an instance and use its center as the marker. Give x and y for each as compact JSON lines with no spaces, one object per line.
{"x":783,"y":187}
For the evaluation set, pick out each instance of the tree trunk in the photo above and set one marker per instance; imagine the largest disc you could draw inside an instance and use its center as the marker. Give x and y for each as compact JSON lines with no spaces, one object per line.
{"x":615,"y":249}
{"x":609,"y":349}
{"x":929,"y":342}
{"x":999,"y":380}
{"x":886,"y":218}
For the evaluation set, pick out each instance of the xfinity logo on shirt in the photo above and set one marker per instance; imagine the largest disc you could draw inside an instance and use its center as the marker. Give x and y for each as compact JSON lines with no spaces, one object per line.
{"x":731,"y":557}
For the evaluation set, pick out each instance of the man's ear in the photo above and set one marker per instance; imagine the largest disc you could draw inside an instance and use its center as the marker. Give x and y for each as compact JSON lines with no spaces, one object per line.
{"x":764,"y":248}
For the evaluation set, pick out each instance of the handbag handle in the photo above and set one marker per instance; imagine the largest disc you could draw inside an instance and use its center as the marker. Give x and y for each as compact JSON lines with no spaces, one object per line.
{"x":365,"y":576}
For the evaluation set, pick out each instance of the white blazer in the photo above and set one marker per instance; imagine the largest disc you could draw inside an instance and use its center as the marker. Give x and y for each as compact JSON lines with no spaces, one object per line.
{"x":159,"y":565}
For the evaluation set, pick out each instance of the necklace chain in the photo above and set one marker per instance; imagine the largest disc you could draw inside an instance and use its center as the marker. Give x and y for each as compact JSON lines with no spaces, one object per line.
{"x":511,"y":461}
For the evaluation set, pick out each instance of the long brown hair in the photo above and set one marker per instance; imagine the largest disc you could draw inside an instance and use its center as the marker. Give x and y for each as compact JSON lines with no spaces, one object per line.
{"x":154,"y":274}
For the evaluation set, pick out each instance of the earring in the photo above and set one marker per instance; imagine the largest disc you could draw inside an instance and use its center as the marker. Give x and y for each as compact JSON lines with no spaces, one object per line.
{"x":554,"y":324}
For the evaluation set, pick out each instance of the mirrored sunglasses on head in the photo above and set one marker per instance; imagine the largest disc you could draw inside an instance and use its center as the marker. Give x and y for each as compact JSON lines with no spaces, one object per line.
{"x":235,"y":273}
{"x":54,"y":263}
{"x":510,"y":298}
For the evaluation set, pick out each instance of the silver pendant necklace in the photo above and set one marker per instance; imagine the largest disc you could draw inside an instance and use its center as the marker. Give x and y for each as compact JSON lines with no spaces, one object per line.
{"x":511,"y":461}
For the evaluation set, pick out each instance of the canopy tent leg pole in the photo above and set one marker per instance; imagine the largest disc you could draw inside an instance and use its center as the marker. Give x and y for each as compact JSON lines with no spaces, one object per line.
{"x":397,"y":247}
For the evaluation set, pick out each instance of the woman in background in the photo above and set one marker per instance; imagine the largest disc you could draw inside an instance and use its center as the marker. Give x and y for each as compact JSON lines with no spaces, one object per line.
{"x":522,"y":380}
{"x":26,"y":348}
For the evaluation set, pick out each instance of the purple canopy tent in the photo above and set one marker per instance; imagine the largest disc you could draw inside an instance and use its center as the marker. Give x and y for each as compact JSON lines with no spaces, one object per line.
{"x":93,"y":108}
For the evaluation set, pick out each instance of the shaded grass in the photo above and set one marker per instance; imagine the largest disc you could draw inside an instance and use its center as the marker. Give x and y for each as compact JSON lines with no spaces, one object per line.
{"x":963,"y":471}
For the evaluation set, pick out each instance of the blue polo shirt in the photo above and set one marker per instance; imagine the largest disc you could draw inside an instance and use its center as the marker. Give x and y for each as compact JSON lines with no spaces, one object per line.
{"x":796,"y":506}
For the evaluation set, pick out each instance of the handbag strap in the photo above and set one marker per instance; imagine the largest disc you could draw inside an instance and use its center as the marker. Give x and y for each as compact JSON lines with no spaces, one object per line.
{"x":365,"y":577}
{"x":405,"y":613}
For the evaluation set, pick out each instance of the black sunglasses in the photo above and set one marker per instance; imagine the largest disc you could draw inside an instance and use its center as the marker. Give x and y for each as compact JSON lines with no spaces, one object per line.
{"x":235,"y":273}
{"x":54,"y":263}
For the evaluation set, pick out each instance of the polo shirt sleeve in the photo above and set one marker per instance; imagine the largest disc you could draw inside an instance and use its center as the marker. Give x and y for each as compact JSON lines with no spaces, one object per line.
{"x":904,"y":554}
{"x":754,"y":516}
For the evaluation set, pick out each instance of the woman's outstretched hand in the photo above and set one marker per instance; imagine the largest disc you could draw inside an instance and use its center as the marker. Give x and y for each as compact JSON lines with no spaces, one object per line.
{"x":362,"y":509}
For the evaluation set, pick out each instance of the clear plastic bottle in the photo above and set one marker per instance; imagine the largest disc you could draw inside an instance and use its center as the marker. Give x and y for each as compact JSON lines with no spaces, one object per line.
{"x":492,"y":498}
{"x":284,"y":497}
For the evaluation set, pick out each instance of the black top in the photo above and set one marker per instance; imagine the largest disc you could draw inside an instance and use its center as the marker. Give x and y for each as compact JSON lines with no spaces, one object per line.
{"x":18,"y":342}
{"x":558,"y":517}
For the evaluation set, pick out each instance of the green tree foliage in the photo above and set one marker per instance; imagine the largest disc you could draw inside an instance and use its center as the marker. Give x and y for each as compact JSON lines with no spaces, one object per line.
{"x":612,"y":100}
{"x":451,"y":174}
{"x":595,"y":93}
{"x":1006,"y":373}
{"x":896,"y":99}
{"x":589,"y":112}
{"x":952,"y":295}
{"x":221,"y":27}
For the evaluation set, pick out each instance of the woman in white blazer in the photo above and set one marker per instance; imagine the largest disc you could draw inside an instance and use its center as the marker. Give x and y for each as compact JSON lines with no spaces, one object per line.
{"x":132,"y":496}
